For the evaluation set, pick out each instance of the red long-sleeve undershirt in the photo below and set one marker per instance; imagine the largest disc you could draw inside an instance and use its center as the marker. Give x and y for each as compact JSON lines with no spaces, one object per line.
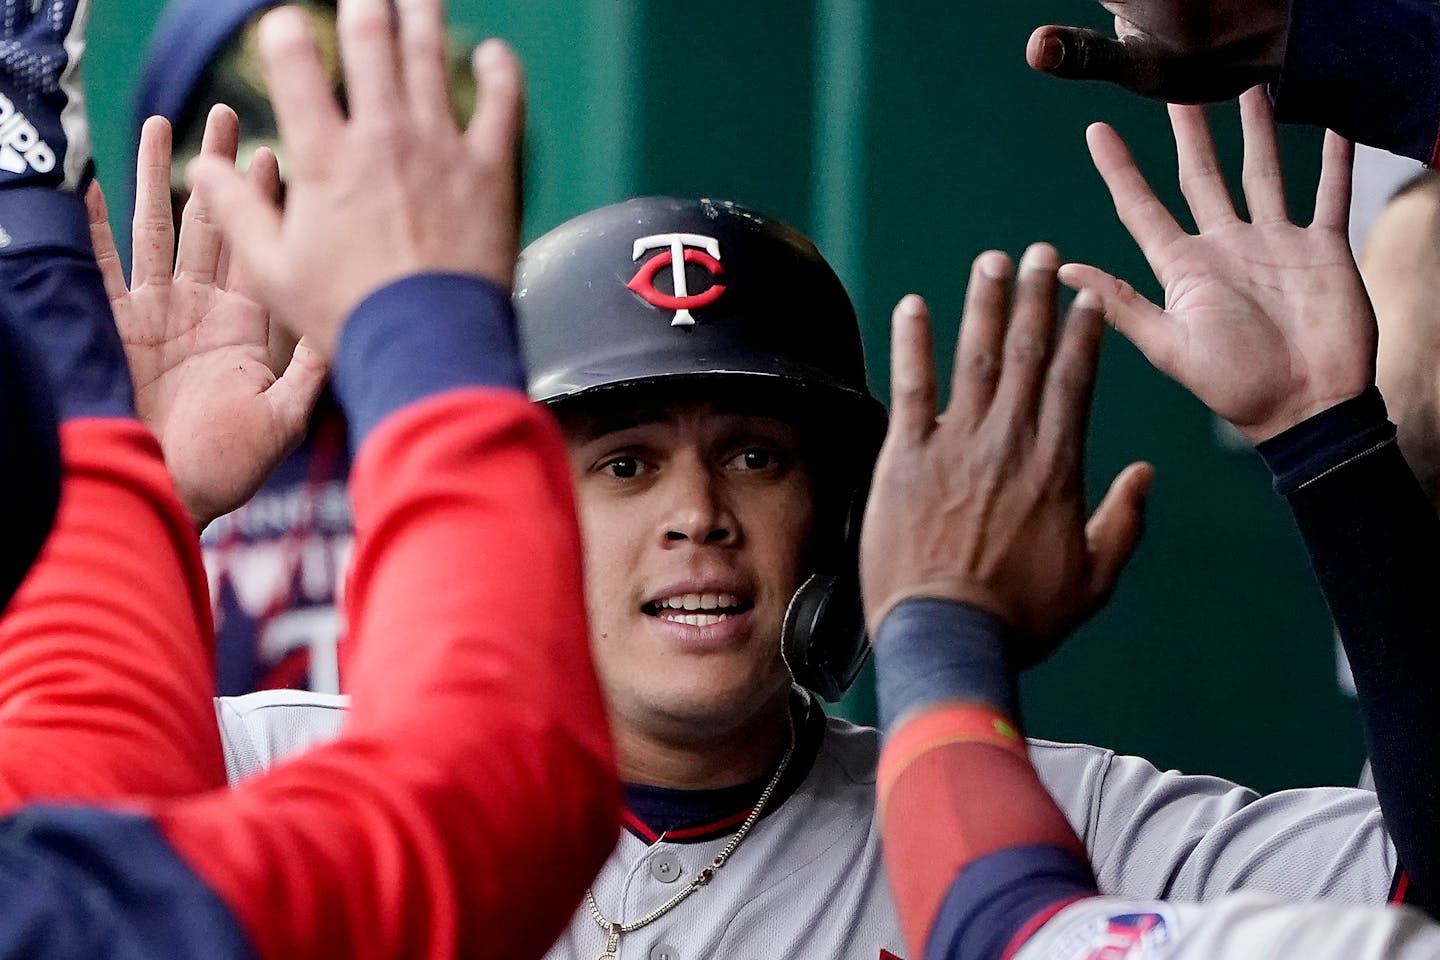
{"x":105,"y":650}
{"x":473,"y":795}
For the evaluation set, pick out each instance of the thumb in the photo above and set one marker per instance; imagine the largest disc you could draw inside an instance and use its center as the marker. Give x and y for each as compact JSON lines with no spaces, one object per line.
{"x":248,"y":217}
{"x":1116,"y":526}
{"x":1075,"y":53}
{"x":293,"y":394}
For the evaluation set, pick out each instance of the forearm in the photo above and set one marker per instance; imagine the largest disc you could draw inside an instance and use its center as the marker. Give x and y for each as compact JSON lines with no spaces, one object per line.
{"x":105,"y":651}
{"x":1374,"y":542}
{"x":1368,"y":69}
{"x":476,"y":717}
{"x":978,"y":854}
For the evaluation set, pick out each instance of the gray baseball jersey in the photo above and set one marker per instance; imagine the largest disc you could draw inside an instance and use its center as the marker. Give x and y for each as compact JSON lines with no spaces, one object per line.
{"x":808,"y":880}
{"x":1239,"y":926}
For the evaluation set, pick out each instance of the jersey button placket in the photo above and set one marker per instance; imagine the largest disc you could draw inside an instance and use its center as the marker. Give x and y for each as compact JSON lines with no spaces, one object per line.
{"x":663,"y":951}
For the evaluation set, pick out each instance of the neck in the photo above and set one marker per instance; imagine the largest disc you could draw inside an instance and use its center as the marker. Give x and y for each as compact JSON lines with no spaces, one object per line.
{"x":740,"y":756}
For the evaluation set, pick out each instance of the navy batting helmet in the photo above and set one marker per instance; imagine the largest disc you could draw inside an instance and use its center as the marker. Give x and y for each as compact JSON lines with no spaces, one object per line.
{"x":663,"y":294}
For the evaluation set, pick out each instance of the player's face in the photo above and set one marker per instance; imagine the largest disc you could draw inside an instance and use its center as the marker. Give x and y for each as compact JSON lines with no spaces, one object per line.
{"x":694,"y":519}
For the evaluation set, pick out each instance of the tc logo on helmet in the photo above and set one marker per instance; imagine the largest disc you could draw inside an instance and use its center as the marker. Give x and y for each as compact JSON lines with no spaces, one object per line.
{"x":679,"y":249}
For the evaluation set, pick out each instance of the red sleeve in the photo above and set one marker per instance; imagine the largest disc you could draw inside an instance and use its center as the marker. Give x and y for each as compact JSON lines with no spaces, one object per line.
{"x":473,"y":794}
{"x":105,"y":652}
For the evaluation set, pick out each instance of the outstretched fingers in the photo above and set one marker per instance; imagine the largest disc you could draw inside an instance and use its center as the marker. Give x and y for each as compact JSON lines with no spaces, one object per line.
{"x":1028,"y":340}
{"x":1263,"y":177}
{"x":912,"y":372}
{"x":198,"y":255}
{"x":424,"y":66}
{"x":1070,"y":383}
{"x":306,"y":115}
{"x":152,"y":238}
{"x":264,"y":176}
{"x":1332,"y":197}
{"x":250,"y":220}
{"x":1115,"y":528}
{"x":982,"y":337}
{"x":1138,"y":208}
{"x":494,"y":131}
{"x":1201,"y":179}
{"x":1140,"y":321}
{"x":102,"y":238}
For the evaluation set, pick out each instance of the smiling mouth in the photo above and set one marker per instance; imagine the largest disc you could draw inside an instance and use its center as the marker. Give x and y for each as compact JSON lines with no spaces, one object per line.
{"x":697,"y":609}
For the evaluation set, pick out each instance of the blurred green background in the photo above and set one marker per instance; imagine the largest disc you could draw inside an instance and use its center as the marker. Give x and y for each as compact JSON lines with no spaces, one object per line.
{"x":906,"y":137}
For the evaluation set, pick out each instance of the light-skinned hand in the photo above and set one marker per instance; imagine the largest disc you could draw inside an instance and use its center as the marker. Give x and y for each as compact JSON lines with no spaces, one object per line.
{"x":1265,"y":321}
{"x":195,"y":337}
{"x":391,"y":190}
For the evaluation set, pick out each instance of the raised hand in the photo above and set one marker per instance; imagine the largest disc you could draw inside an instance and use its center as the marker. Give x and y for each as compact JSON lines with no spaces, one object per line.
{"x":196,"y":339}
{"x":1183,"y":51}
{"x":986,"y":505}
{"x":449,"y":200}
{"x":1265,"y":321}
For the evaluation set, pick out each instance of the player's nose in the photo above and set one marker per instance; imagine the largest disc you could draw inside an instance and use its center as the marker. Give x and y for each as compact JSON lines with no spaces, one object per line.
{"x":697,"y":510}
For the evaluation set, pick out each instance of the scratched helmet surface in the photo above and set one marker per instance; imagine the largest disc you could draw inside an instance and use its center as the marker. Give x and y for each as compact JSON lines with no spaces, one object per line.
{"x":664,"y":292}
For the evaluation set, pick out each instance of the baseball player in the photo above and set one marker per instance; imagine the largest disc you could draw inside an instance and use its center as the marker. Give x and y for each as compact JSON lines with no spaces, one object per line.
{"x":384,"y":843}
{"x":705,"y":366}
{"x":1365,"y":68}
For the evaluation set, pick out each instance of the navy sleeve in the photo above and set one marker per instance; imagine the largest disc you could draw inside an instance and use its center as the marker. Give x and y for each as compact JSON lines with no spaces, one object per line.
{"x":929,"y":650}
{"x":1002,"y":896}
{"x":30,"y":454}
{"x":1374,"y":542}
{"x":421,"y":336}
{"x":1368,"y":69}
{"x":81,"y":882}
{"x":53,"y":290}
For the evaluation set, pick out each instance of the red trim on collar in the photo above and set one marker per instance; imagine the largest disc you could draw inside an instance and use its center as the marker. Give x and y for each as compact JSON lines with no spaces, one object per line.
{"x":705,"y":831}
{"x":1402,"y":886}
{"x":1435,"y":153}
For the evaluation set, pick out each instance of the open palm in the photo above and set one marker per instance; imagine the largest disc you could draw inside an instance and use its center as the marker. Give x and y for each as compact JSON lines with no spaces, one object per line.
{"x":1265,"y":321}
{"x":197,"y":343}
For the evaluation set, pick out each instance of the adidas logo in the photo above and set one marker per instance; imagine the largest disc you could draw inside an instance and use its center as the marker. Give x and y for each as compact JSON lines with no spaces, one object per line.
{"x":21,"y":148}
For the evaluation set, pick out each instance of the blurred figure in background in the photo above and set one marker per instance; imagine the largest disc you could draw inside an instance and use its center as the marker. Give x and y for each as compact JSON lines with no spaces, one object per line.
{"x":275,"y":563}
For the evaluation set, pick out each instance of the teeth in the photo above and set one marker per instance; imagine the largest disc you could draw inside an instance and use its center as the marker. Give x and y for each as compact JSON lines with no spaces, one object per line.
{"x":699,"y":601}
{"x":697,"y":619}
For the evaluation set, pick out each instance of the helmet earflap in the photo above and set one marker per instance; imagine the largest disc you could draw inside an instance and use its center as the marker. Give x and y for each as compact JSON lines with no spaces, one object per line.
{"x":822,"y":639}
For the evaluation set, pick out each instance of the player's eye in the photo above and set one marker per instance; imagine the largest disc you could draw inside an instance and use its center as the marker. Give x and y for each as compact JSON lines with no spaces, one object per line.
{"x":754,"y":458}
{"x":622,"y":468}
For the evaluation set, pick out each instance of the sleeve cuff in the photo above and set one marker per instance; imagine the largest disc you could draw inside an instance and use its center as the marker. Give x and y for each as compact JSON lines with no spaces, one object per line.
{"x":1327,"y":441}
{"x":930,"y":651}
{"x":1365,"y":70}
{"x":36,"y":219}
{"x":421,"y":336}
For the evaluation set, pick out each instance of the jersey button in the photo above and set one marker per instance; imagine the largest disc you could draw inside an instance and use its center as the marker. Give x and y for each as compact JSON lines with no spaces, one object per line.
{"x":663,"y":951}
{"x":665,"y":867}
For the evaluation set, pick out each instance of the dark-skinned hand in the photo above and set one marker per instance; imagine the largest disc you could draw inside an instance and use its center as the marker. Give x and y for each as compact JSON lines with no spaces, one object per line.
{"x":986,"y":504}
{"x":1181,"y":51}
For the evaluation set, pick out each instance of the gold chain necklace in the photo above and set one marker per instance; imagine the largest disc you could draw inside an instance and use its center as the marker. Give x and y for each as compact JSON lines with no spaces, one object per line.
{"x":613,"y":930}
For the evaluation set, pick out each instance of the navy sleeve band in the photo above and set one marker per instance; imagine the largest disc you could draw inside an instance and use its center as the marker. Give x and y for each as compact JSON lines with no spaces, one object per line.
{"x":929,"y":650}
{"x":994,"y":898}
{"x":419,"y":337}
{"x":1328,"y":440}
{"x":1369,"y":69}
{"x":30,"y":451}
{"x":82,"y":882}
{"x":53,"y":291}
{"x":1374,"y":542}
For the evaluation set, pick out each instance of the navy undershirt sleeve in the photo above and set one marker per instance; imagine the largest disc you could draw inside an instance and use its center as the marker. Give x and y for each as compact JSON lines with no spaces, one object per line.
{"x":1369,"y":69}
{"x":53,"y":290}
{"x":998,"y":895}
{"x":929,"y":650}
{"x":29,"y":453}
{"x":1374,"y":542}
{"x":421,"y":336}
{"x":83,"y":882}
